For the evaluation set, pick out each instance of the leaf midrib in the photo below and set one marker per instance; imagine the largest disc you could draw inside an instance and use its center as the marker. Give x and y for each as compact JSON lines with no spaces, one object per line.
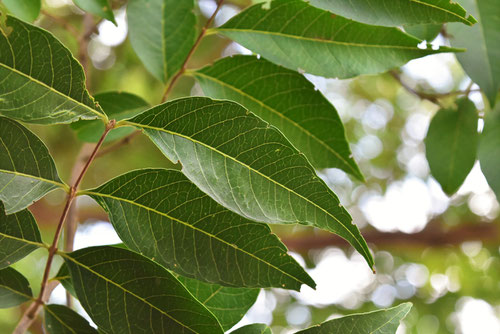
{"x":34,"y":243}
{"x":59,"y":184}
{"x":59,"y":319}
{"x":463,"y":19}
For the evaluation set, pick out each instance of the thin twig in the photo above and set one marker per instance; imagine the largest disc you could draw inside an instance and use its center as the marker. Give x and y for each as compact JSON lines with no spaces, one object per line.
{"x":62,"y":22}
{"x":191,"y":52}
{"x":117,"y":145}
{"x":89,"y":28}
{"x":30,"y":314}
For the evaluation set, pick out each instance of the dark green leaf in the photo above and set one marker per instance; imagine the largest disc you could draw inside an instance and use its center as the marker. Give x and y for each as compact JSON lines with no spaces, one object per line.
{"x":27,"y":10}
{"x":62,"y":320}
{"x":228,"y":305}
{"x":301,"y":37}
{"x":489,"y":152}
{"x":19,"y":236}
{"x":253,"y":329}
{"x":451,"y":144}
{"x":288,"y":101}
{"x":163,"y":215}
{"x":27,"y":171}
{"x":246,"y":165}
{"x":481,"y":62}
{"x":427,"y":32}
{"x":65,"y":279}
{"x":393,"y":13}
{"x":40,"y":81}
{"x":118,"y":106}
{"x":14,"y":288}
{"x":162,"y":32}
{"x":124,"y":292}
{"x":98,"y":7}
{"x":376,"y":322}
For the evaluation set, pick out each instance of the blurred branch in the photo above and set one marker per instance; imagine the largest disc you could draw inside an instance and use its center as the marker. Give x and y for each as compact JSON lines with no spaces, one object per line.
{"x":89,"y":28}
{"x":62,"y":22}
{"x":118,"y":144}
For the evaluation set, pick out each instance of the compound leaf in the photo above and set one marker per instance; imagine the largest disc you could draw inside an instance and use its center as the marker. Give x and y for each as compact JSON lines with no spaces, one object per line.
{"x":14,"y":288}
{"x":60,"y":319}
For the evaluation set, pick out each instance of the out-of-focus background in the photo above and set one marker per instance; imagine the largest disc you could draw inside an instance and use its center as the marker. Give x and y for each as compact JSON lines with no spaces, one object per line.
{"x":441,"y":253}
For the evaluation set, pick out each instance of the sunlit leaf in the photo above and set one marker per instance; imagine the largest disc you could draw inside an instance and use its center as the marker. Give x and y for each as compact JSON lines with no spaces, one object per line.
{"x":246,"y":165}
{"x":98,"y":7}
{"x":489,"y":151}
{"x":451,"y":144}
{"x":60,"y":319}
{"x":253,"y":329}
{"x":481,"y":62}
{"x":40,"y":81}
{"x":395,"y":13}
{"x":14,"y":288}
{"x":19,"y":236}
{"x":27,"y":10}
{"x":124,"y":292}
{"x":376,"y":322}
{"x":27,"y":171}
{"x":301,"y":37}
{"x":288,"y":101}
{"x":162,"y":32}
{"x":163,"y":215}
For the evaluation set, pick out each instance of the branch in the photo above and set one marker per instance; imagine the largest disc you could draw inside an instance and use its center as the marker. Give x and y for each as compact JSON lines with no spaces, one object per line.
{"x":89,"y":28}
{"x":30,"y":314}
{"x":191,"y":52}
{"x":62,"y":22}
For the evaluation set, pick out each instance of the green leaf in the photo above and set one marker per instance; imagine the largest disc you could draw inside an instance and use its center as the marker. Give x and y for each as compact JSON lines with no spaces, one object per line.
{"x":253,"y":329}
{"x":40,"y":81}
{"x":27,"y":10}
{"x":489,"y":151}
{"x":27,"y":171}
{"x":19,"y":236}
{"x":116,"y":105}
{"x":427,"y":32}
{"x":246,"y":165}
{"x":163,"y":215}
{"x":228,"y":305}
{"x":451,"y":144}
{"x":162,"y":32}
{"x":124,"y":292}
{"x":98,"y":7}
{"x":60,"y":319}
{"x":286,"y":100}
{"x":481,"y":62}
{"x":301,"y":37}
{"x":14,"y":288}
{"x":65,"y":279}
{"x":377,"y":322}
{"x":393,"y":13}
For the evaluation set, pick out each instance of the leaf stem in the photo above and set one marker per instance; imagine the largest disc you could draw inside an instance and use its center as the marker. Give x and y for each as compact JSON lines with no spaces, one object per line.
{"x":32,"y":311}
{"x":191,"y":52}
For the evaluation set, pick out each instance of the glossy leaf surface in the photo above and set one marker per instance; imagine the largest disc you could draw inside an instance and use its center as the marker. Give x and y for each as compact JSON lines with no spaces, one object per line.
{"x":163,"y":215}
{"x":376,"y":322}
{"x":19,"y":236}
{"x":40,"y":81}
{"x":287,"y":100}
{"x":301,"y":37}
{"x":98,"y":7}
{"x":393,"y":13}
{"x":124,"y":292}
{"x":489,"y":157}
{"x":246,"y":165}
{"x":27,"y":171}
{"x":451,"y":144}
{"x":60,"y":319}
{"x":253,"y":329}
{"x":14,"y":288}
{"x":481,"y":62}
{"x":27,"y":10}
{"x":162,"y":32}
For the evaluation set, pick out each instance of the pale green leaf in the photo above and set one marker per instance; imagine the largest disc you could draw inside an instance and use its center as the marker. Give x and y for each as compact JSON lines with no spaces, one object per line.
{"x":98,"y":7}
{"x":163,"y":215}
{"x":60,"y":319}
{"x":489,"y":151}
{"x":27,"y":171}
{"x":481,"y":62}
{"x":19,"y":236}
{"x":117,"y":106}
{"x":301,"y":37}
{"x":377,"y":322}
{"x":393,"y":13}
{"x":40,"y":81}
{"x":287,"y":100}
{"x":124,"y":292}
{"x":14,"y":288}
{"x":427,"y":32}
{"x":451,"y":144}
{"x":27,"y":10}
{"x":228,"y":305}
{"x":161,"y":33}
{"x":253,"y":329}
{"x":246,"y":165}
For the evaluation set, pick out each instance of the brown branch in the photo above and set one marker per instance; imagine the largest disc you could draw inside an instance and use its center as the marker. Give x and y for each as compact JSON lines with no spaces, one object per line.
{"x":117,"y":145}
{"x":191,"y":52}
{"x":63,"y":23}
{"x":89,"y":28}
{"x":31,"y":313}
